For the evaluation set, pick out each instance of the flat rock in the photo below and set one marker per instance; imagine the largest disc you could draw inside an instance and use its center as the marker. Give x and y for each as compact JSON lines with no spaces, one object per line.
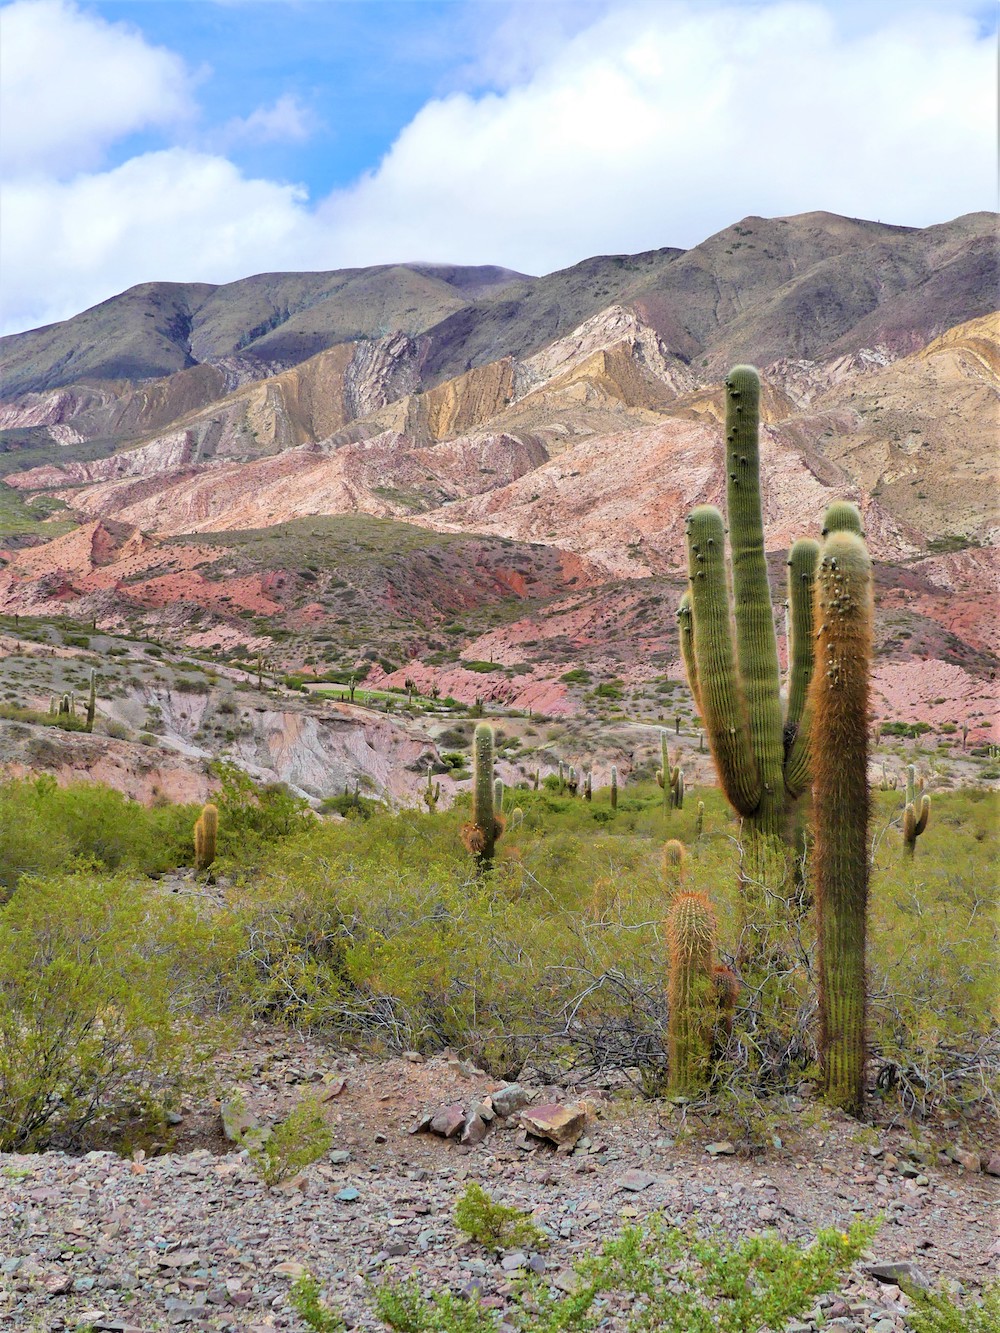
{"x":636,"y":1180}
{"x":722,"y":1149}
{"x":902,"y":1273}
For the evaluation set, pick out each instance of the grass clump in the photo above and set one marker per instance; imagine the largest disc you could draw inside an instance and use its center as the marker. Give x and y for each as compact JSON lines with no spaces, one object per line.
{"x":293,"y":1144}
{"x":495,"y":1224}
{"x":311,"y":1309}
{"x":938,"y":1312}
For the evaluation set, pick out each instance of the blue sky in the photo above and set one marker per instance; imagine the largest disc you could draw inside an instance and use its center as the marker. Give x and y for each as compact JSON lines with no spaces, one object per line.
{"x":207,"y":139}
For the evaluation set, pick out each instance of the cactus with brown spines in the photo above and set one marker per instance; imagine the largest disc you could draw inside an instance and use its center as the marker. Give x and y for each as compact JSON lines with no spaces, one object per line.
{"x":691,"y":997}
{"x":206,"y":831}
{"x":92,"y":701}
{"x":487,"y":824}
{"x":838,"y":701}
{"x":916,"y":811}
{"x":760,"y":750}
{"x":674,"y":862}
{"x":614,"y":787}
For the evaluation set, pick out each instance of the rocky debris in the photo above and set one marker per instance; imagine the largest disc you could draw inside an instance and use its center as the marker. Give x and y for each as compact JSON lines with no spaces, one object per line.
{"x":721,"y":1149}
{"x":236,"y":1121}
{"x":449,"y":1120}
{"x":971,"y":1161}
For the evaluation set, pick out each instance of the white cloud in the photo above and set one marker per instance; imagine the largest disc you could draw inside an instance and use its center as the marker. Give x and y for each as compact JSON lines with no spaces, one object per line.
{"x":287,"y":121}
{"x":654,"y":124}
{"x":71,"y":84}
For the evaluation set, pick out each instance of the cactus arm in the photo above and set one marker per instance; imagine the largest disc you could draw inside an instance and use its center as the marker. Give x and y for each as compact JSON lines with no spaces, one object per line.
{"x":723,"y":707}
{"x":685,"y":630}
{"x":802,"y":561}
{"x":838,"y":702}
{"x":756,"y":641}
{"x":925,"y":810}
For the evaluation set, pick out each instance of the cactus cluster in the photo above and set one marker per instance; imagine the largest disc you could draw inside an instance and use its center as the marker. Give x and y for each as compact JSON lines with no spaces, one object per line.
{"x":838,"y":702}
{"x":205,"y":834}
{"x":916,"y":811}
{"x":670,"y":777}
{"x":487,"y":824}
{"x":761,"y":752}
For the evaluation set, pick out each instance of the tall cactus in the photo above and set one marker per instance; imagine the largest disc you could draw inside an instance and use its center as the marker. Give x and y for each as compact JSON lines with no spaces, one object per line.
{"x":838,"y":699}
{"x":92,"y":701}
{"x":692,"y":1001}
{"x":916,"y":811}
{"x":614,"y":787}
{"x":481,"y":834}
{"x":761,"y":753}
{"x":432,"y":792}
{"x":670,"y":777}
{"x":205,"y":834}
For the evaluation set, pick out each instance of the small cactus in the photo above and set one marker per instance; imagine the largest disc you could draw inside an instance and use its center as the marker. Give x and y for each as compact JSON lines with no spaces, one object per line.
{"x":497,"y":795}
{"x":614,"y":787}
{"x":573,"y":782}
{"x":588,"y":787}
{"x":432,"y":792}
{"x":692,"y":1001}
{"x":205,"y":834}
{"x":699,"y":823}
{"x":916,"y":811}
{"x":674,"y":862}
{"x":92,"y":701}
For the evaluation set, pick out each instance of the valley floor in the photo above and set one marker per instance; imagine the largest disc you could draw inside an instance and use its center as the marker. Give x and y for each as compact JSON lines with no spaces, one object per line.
{"x":192,"y":1238}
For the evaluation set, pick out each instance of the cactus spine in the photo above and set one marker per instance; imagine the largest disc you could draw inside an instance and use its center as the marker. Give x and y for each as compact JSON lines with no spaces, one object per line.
{"x":614,"y":787}
{"x":839,"y":704}
{"x":487,"y":824}
{"x":916,"y":811}
{"x":760,"y":755}
{"x":205,"y":834}
{"x":691,"y":998}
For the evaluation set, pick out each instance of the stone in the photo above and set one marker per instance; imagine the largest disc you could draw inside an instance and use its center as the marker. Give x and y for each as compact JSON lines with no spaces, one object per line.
{"x":992,"y":1164}
{"x":902,"y":1273}
{"x":510,"y":1099}
{"x":290,"y":1268}
{"x":425,"y":1122}
{"x":474,"y":1131}
{"x":636,"y":1180}
{"x":721,"y":1149}
{"x":339,"y":1156}
{"x":59,"y":1285}
{"x":971,"y":1161}
{"x":348,"y":1195}
{"x":510,"y":1263}
{"x":236,"y":1120}
{"x":560,"y":1123}
{"x":449,"y":1120}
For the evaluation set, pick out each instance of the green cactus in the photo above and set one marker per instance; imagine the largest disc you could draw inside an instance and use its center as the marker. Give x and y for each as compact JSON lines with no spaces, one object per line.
{"x":92,"y":701}
{"x":916,"y":811}
{"x":432,"y":792}
{"x":573,"y":782}
{"x":562,"y":778}
{"x":588,"y":787}
{"x":760,"y":754}
{"x":842,"y":516}
{"x":699,"y":823}
{"x":498,"y":795}
{"x":838,"y":700}
{"x":674,"y":862}
{"x":487,"y":824}
{"x":537,"y":779}
{"x":205,"y":834}
{"x":614,"y":787}
{"x":691,"y":997}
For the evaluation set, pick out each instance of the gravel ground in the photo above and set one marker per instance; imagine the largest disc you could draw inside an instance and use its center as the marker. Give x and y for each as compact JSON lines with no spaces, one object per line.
{"x":192,"y":1238}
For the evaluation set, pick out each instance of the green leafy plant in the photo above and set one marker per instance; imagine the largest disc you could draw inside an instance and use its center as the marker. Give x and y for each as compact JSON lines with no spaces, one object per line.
{"x":293,"y":1143}
{"x":939,"y":1312}
{"x":495,"y":1224}
{"x":309,"y":1306}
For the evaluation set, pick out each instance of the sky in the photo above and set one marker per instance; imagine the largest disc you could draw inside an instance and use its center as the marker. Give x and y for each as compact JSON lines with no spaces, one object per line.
{"x":205,"y":140}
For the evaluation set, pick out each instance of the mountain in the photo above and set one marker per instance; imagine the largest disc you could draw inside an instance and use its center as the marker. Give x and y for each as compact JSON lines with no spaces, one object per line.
{"x":561,"y":427}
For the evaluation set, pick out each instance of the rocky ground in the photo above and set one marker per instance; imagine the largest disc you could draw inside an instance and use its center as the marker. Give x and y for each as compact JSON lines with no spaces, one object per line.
{"x":192,"y":1237}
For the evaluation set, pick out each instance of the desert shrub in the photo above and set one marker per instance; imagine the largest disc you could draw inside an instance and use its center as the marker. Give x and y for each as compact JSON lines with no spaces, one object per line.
{"x":252,"y":817}
{"x":672,"y":1281}
{"x":45,"y":828}
{"x":309,"y":1306}
{"x":100,"y":985}
{"x":293,"y":1143}
{"x":938,"y":1312}
{"x":495,"y":1224}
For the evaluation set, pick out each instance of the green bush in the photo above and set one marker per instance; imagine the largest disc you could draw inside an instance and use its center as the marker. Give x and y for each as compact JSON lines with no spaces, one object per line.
{"x":293,"y":1143}
{"x":938,"y":1312}
{"x":494,"y":1224}
{"x":252,"y":817}
{"x":100,"y":986}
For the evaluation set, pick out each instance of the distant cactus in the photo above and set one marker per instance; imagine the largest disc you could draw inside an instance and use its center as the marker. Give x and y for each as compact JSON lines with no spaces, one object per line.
{"x":674,"y":862}
{"x":432,"y":792}
{"x":670,"y":778}
{"x":693,"y":1004}
{"x":916,"y":811}
{"x":614,"y":787}
{"x":66,"y":705}
{"x":486,"y":826}
{"x":838,"y":702}
{"x":573,"y":782}
{"x":516,"y":818}
{"x":92,"y":701}
{"x":537,"y":779}
{"x":562,"y":778}
{"x":497,"y":795}
{"x":588,"y":786}
{"x":205,"y":835}
{"x":699,"y":823}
